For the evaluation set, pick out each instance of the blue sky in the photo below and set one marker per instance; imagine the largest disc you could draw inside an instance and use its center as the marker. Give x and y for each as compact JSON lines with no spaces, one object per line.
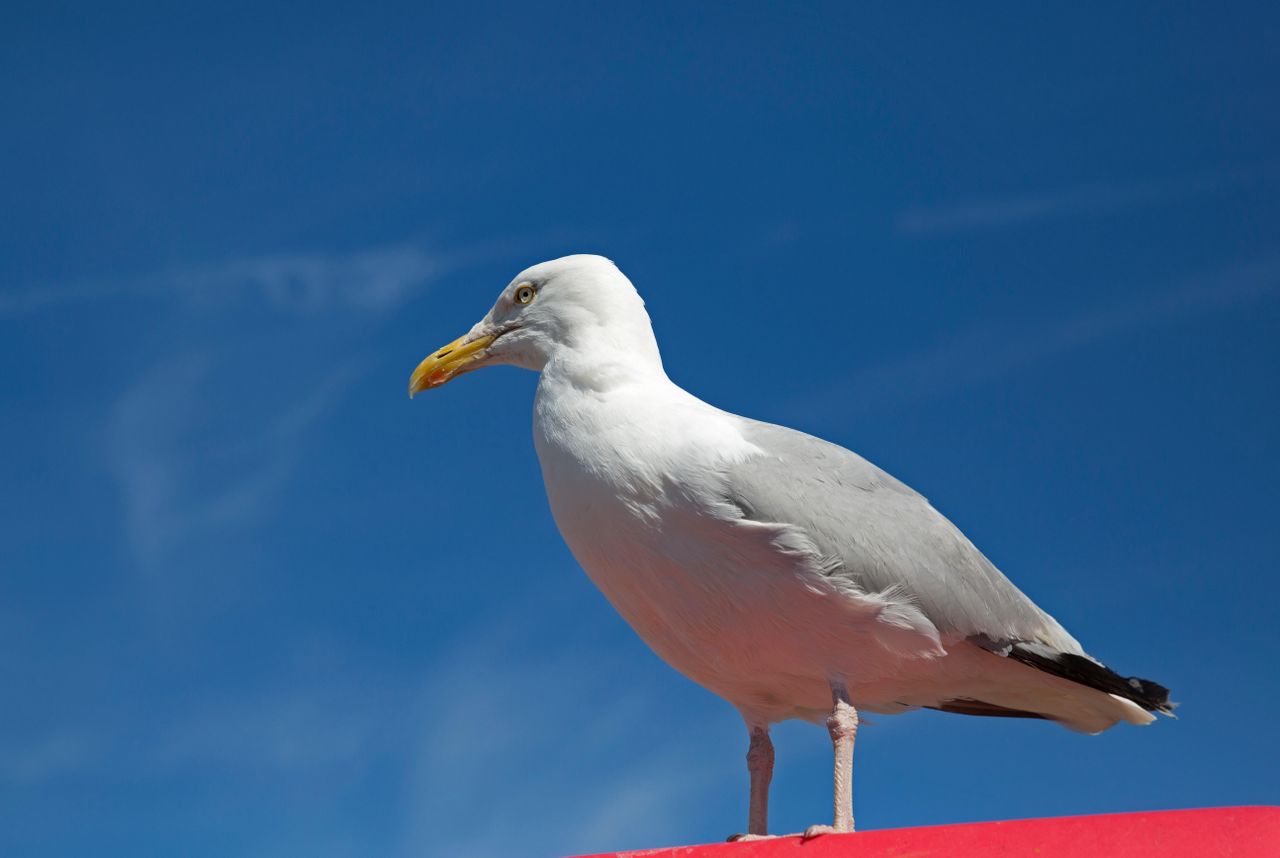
{"x":254,"y":602}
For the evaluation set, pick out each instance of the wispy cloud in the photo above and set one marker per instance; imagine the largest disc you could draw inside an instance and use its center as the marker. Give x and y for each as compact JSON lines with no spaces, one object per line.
{"x":552,"y":755}
{"x":204,"y":441}
{"x":302,"y":724}
{"x":53,"y":755}
{"x":185,"y":471}
{"x":298,"y":728}
{"x":979,"y":355}
{"x":505,"y":744}
{"x":372,"y":280}
{"x":1095,"y":198}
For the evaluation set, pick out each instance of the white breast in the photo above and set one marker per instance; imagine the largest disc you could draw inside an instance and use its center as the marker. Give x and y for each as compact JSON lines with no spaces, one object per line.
{"x":713,"y":604}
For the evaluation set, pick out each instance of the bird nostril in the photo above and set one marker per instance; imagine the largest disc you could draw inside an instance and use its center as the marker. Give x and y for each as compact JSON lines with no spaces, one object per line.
{"x":444,"y":353}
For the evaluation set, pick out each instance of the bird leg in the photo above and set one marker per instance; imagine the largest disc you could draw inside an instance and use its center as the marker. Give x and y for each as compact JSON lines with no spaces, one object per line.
{"x":760,"y":766}
{"x":842,"y":723}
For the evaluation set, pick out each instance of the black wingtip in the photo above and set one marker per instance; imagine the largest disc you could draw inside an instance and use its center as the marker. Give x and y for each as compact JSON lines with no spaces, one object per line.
{"x":1150,"y":695}
{"x":969,"y":706}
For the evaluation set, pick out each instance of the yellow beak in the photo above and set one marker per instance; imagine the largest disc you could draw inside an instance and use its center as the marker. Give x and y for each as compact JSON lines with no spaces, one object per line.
{"x":454,"y":359}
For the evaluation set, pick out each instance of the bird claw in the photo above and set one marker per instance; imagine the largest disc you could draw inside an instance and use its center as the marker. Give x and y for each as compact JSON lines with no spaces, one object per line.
{"x":818,"y":830}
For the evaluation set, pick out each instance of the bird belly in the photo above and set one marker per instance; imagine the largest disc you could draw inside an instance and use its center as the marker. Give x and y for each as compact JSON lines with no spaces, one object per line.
{"x":759,"y":636}
{"x":718,"y":600}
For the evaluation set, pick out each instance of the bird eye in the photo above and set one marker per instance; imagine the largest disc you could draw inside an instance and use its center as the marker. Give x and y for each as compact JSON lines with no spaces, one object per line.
{"x":524,"y":293}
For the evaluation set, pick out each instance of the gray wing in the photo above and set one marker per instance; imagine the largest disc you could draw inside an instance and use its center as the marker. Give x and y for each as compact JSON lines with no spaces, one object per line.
{"x":884,"y":537}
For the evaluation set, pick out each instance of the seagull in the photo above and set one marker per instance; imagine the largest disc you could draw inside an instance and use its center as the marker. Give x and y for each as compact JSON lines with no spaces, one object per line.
{"x":784,"y":573}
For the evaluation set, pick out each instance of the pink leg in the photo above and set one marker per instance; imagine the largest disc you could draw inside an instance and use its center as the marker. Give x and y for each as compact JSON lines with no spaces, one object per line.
{"x":760,"y":766}
{"x":842,"y":723}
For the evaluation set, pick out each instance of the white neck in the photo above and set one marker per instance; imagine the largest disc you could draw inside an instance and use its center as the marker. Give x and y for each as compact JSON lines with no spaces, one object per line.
{"x":602,"y":357}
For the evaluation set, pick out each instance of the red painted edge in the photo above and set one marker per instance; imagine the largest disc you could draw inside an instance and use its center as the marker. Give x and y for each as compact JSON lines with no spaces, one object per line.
{"x":1225,"y":832}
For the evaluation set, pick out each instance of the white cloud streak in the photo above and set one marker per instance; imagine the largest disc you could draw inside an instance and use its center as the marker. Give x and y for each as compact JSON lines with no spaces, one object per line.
{"x":46,"y":758}
{"x":195,"y":454}
{"x":182,"y":478}
{"x":505,"y":745}
{"x":977,"y":356}
{"x":370,"y":280}
{"x":1095,"y":198}
{"x":552,"y":755}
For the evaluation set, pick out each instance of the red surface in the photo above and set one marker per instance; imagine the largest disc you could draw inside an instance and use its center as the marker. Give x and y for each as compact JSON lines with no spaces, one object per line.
{"x":1238,"y":832}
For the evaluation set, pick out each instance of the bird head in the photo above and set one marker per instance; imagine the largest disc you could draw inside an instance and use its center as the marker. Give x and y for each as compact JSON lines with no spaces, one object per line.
{"x":579,"y":303}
